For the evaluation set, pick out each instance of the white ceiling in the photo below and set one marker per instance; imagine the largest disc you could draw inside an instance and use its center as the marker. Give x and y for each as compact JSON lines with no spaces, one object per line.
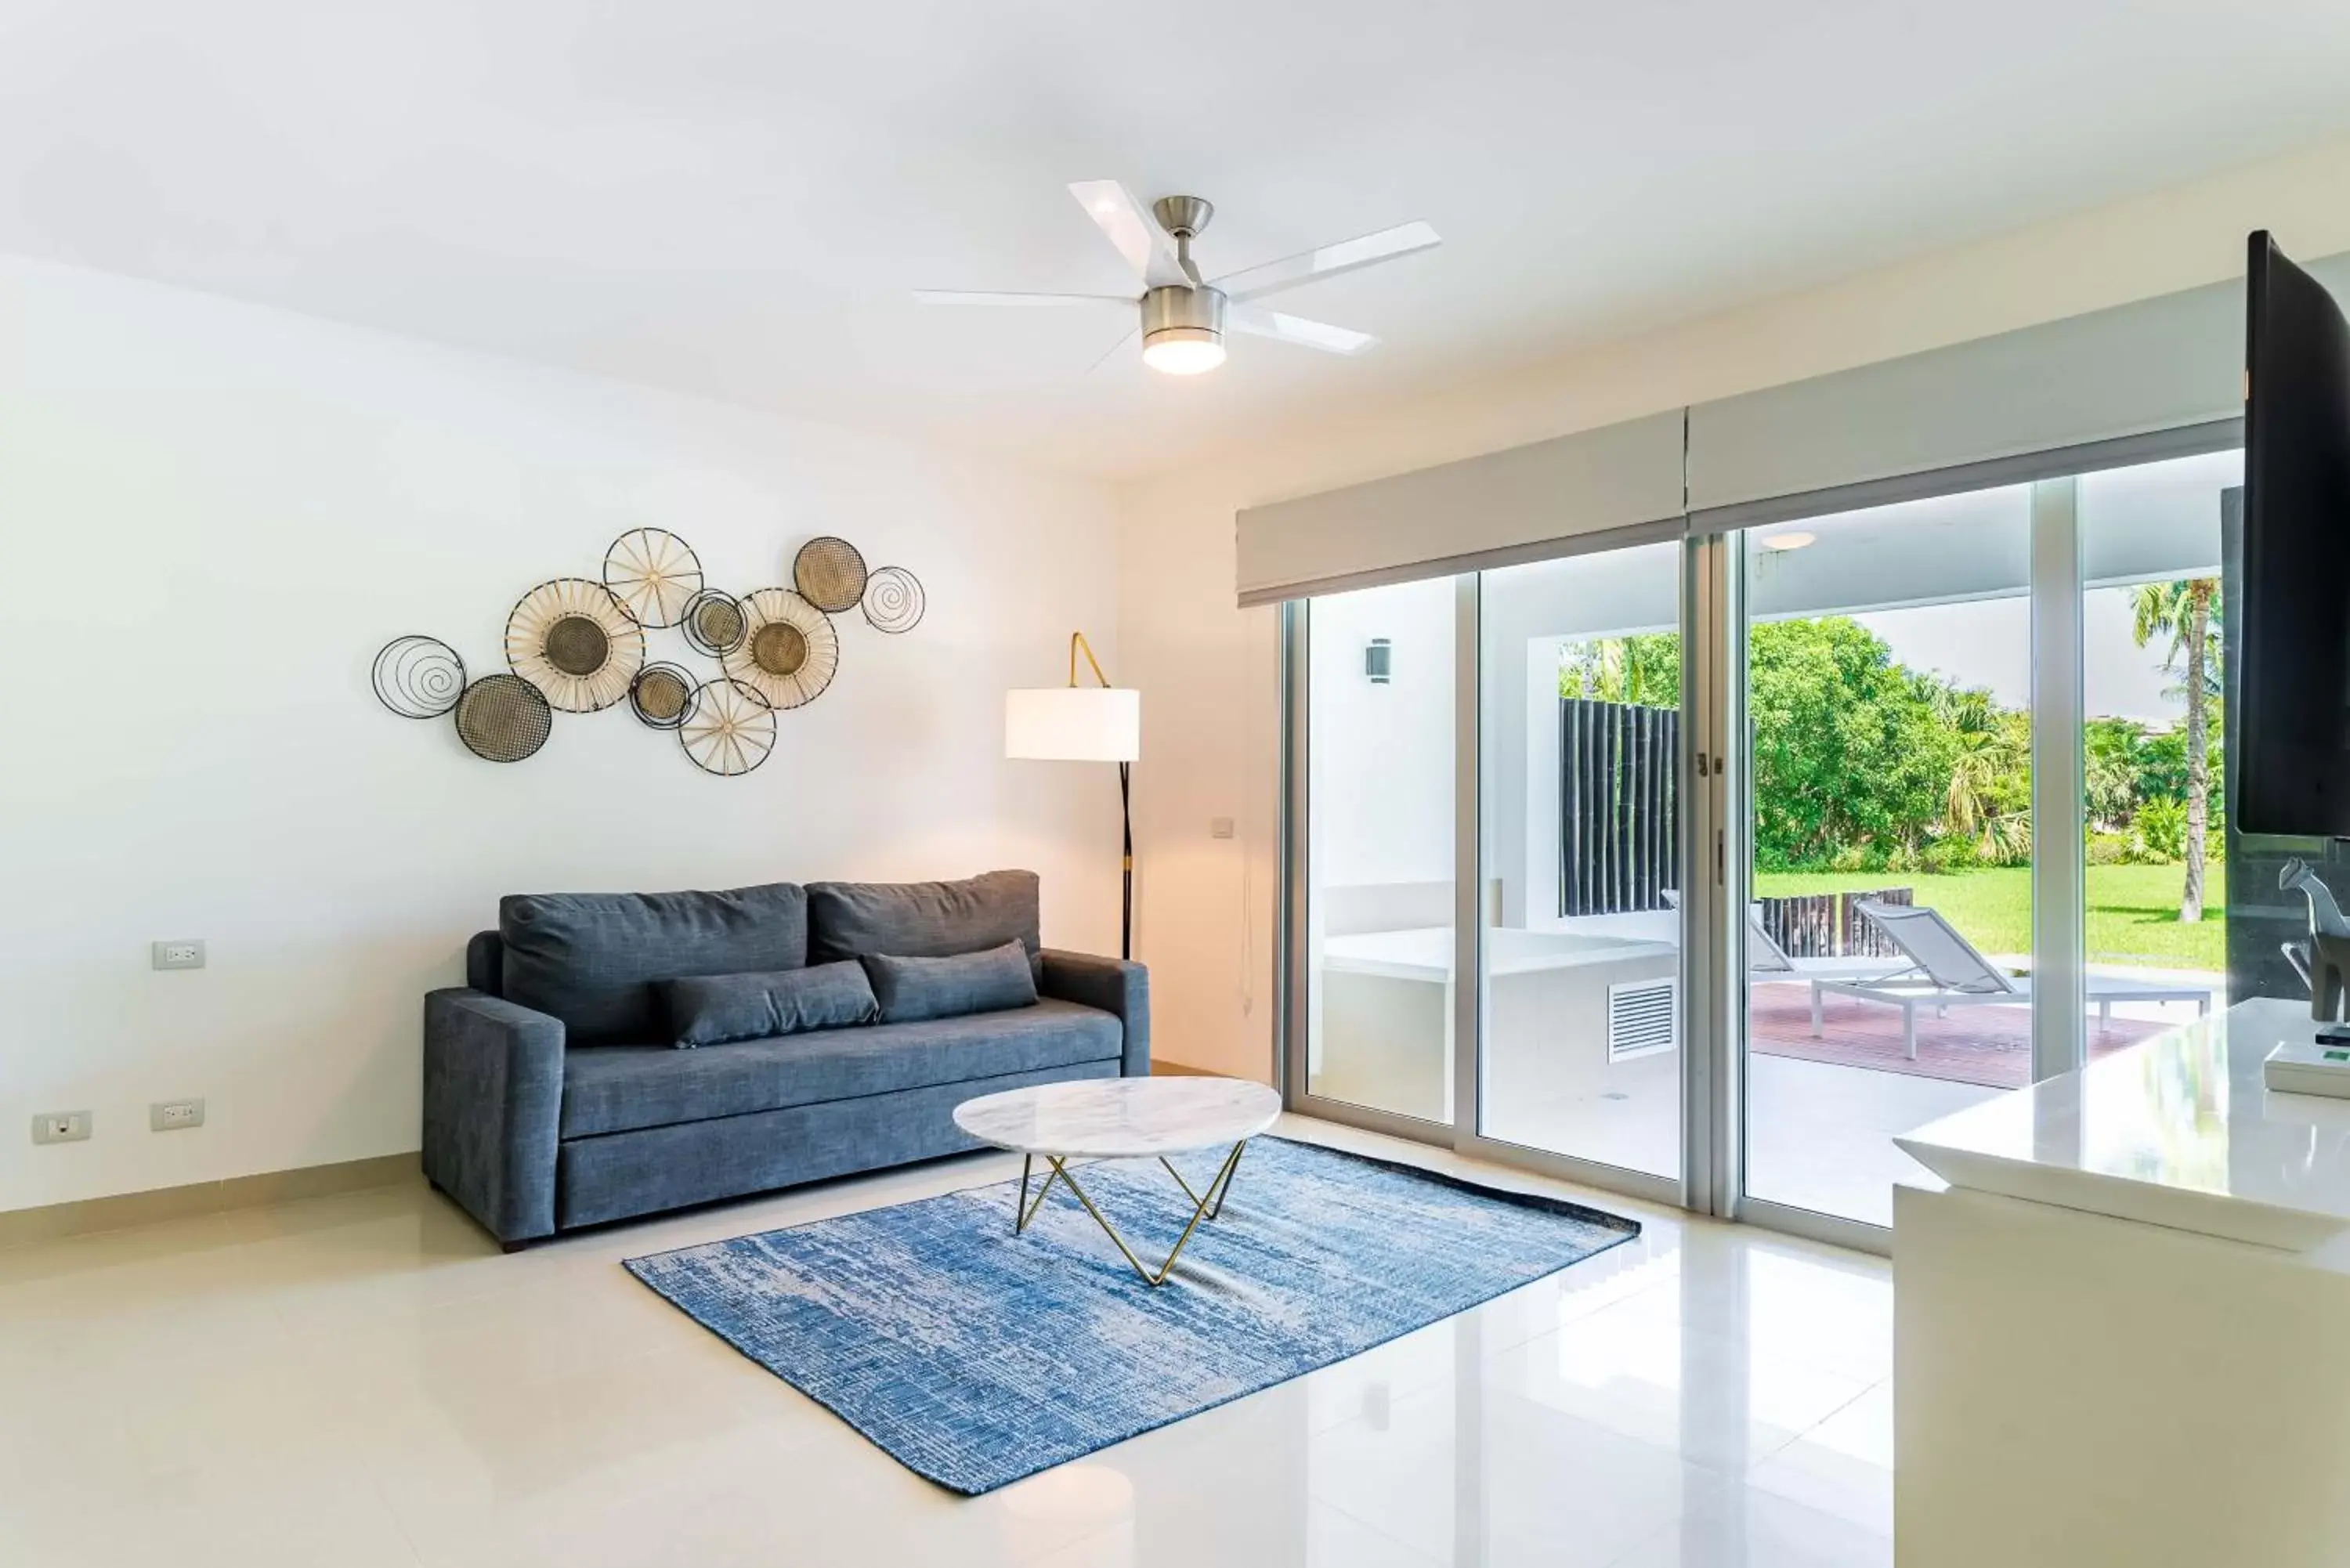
{"x":734,"y":197}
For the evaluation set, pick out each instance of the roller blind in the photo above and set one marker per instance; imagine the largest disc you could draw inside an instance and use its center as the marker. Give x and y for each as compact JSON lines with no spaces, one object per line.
{"x":1621,"y":481}
{"x":2156,"y":378}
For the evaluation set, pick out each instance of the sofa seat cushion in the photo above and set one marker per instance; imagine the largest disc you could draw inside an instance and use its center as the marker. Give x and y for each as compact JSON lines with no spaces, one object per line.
{"x":592,"y":958}
{"x":619,"y":1088}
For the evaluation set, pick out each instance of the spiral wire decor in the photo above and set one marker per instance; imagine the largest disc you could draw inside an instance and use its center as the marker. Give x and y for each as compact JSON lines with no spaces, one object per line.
{"x":662,"y":695}
{"x":893,"y":600}
{"x":654,"y":573}
{"x":503,"y":718}
{"x":576,"y":642}
{"x":790,"y":649}
{"x":830,"y":573}
{"x":419,"y":677}
{"x":730,"y":730}
{"x":713,"y":623}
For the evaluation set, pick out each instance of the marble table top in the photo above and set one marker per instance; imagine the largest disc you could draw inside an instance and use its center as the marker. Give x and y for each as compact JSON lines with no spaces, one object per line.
{"x":1118,"y":1118}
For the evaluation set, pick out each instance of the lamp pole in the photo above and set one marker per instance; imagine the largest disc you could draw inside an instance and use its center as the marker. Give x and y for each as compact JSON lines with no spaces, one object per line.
{"x":1077,"y":644}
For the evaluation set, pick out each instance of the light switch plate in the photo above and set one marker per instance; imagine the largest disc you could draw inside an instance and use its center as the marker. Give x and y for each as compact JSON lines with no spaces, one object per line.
{"x":173,"y":1116}
{"x":1220,"y":827}
{"x":184,"y":952}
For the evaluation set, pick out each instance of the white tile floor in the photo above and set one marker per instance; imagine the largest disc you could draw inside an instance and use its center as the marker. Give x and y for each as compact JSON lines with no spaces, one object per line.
{"x":365,"y":1380}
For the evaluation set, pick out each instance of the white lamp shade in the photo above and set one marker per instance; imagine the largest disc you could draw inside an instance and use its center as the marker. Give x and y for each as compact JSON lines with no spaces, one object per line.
{"x":1074,"y":723}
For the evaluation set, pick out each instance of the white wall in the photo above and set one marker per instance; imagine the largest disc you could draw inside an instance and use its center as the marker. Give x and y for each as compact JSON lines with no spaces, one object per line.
{"x":215,"y":515}
{"x":1177,"y":568}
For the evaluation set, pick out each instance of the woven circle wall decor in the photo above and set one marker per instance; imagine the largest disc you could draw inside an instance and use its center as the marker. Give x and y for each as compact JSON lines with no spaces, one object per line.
{"x":731,"y":730}
{"x":830,"y":573}
{"x":576,"y":643}
{"x":789,"y":650}
{"x":714,"y":622}
{"x":503,"y":718}
{"x":893,"y":599}
{"x":654,"y":574}
{"x":662,"y":695}
{"x":419,"y":677}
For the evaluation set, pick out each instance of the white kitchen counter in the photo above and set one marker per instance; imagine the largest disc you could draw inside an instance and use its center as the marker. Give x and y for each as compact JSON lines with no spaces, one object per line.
{"x":2178,"y":1131}
{"x":2119,"y":1334}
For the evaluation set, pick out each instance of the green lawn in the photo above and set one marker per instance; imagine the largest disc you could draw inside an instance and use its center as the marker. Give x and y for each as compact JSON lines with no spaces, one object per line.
{"x":2132,"y":910}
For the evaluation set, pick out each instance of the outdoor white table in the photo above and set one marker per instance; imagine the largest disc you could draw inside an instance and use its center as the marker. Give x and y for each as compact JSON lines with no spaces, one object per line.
{"x":1123,"y":1119}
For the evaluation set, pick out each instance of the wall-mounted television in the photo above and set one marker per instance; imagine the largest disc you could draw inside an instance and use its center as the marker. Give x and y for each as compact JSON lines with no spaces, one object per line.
{"x":2293,"y":776}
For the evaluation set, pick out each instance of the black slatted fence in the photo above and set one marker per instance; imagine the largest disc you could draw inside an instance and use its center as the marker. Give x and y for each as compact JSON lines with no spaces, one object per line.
{"x":1620,"y":847}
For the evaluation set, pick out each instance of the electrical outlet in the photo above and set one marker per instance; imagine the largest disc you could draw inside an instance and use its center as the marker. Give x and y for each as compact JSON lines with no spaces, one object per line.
{"x":1220,"y":827}
{"x":171,"y":1116}
{"x":61,"y":1127}
{"x":185,"y":953}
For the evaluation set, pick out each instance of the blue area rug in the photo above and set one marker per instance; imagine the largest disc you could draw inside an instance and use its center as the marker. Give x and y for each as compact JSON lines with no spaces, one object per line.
{"x":977,"y":1357}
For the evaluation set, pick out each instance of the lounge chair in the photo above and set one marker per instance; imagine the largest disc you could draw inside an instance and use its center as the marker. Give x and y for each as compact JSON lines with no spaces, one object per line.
{"x":1945,"y":972}
{"x":1767,"y":962}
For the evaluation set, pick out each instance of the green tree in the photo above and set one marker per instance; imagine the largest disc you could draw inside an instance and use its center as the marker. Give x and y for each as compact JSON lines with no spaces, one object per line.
{"x":2186,"y":613}
{"x":1644,"y":668}
{"x":1850,"y":753}
{"x":2113,"y":758}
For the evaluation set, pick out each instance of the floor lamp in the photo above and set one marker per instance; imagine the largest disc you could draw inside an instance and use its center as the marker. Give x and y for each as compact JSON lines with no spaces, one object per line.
{"x":1097,"y":723}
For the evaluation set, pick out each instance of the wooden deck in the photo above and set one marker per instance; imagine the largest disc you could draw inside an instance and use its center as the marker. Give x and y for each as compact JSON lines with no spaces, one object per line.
{"x":1987,"y":1045}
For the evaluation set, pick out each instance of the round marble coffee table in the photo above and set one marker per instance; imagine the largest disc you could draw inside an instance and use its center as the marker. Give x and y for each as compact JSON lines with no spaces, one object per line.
{"x":1123,"y":1119}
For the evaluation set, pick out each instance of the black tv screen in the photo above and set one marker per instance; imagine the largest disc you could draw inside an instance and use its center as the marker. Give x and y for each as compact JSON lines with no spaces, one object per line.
{"x":2294,"y":729}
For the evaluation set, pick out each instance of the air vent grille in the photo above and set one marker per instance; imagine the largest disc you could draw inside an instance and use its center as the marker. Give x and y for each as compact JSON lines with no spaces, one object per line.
{"x":1644,"y":1017}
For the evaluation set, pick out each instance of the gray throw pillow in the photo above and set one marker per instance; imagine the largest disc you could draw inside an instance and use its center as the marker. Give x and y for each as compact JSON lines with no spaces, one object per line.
{"x":912,"y":989}
{"x":712,"y":1009}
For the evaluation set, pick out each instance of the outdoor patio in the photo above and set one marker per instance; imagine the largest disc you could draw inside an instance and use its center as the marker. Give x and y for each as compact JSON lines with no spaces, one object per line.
{"x":1990,"y":1046}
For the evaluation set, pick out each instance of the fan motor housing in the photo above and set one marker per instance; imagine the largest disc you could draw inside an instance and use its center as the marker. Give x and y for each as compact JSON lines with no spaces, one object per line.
{"x":1177,"y":314}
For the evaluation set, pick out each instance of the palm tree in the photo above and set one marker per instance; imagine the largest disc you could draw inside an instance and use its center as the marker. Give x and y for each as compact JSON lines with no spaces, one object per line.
{"x":1989,"y":750}
{"x":2184,"y":612}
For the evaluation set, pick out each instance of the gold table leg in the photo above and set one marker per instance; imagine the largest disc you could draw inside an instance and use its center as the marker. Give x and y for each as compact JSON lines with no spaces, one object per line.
{"x":1204,"y":1206}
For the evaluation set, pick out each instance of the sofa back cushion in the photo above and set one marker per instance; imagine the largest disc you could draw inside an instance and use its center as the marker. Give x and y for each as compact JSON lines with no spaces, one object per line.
{"x":592,"y":958}
{"x":716,"y":1009}
{"x":911,"y":990}
{"x":922,"y":919}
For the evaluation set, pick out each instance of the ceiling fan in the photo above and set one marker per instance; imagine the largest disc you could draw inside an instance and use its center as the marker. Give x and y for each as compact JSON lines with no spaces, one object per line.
{"x":1185,"y":316}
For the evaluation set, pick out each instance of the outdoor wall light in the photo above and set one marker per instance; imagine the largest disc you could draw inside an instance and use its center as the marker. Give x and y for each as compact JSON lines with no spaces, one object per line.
{"x":1794,"y":541}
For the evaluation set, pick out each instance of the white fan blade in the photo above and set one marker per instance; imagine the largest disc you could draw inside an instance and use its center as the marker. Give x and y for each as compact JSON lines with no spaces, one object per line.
{"x":1145,"y":246}
{"x":1262,"y":322}
{"x":975,"y":297}
{"x":1327,"y":261}
{"x":1113,"y":350}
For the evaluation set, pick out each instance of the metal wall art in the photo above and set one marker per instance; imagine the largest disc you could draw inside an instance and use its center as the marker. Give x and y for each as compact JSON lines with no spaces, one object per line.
{"x":503,"y":718}
{"x":830,"y":573}
{"x":713,"y":623}
{"x":654,"y":573}
{"x":419,"y":677}
{"x":790,"y":653}
{"x":893,"y":600}
{"x":577,"y":646}
{"x":662,"y":695}
{"x":576,"y":643}
{"x":730,"y":731}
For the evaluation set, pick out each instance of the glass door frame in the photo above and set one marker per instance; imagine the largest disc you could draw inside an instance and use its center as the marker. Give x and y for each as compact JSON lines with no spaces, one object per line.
{"x":1715,"y":806}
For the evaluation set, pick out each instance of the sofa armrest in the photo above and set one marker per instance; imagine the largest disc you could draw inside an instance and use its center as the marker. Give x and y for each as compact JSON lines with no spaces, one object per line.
{"x":1114,"y":985}
{"x":493,"y":1099}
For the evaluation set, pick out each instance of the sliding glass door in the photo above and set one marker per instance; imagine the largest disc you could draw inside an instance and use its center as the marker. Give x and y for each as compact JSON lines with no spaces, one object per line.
{"x":1580,"y":761}
{"x":1887,"y":691}
{"x":1379,"y":821}
{"x":1704,"y":869}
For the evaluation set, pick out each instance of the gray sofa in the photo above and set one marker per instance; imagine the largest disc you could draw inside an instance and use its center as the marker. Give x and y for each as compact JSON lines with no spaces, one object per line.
{"x":555,"y":1098}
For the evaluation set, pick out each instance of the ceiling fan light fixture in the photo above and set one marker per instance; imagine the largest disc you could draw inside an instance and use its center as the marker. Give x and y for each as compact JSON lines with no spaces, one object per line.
{"x":1182,"y":330}
{"x":1184,"y":351}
